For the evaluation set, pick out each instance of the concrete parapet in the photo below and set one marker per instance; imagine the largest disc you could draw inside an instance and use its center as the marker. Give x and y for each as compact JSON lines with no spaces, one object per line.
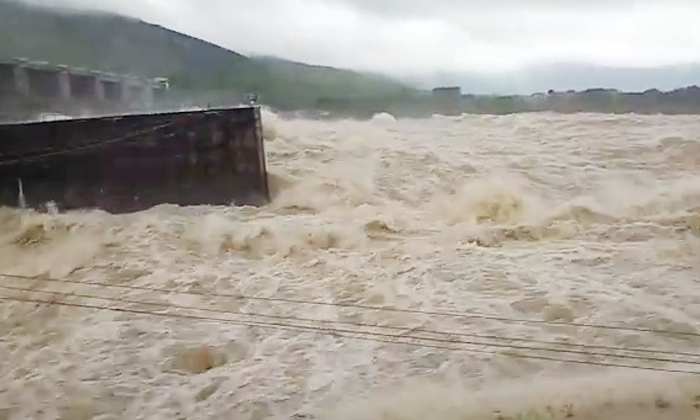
{"x":132,"y":162}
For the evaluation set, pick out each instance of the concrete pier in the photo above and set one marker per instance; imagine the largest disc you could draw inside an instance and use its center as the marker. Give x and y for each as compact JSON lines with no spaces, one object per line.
{"x":447,"y":100}
{"x":32,"y":86}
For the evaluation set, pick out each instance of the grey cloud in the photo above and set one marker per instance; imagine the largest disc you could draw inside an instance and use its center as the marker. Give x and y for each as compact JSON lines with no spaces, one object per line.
{"x":423,"y":8}
{"x":407,"y":37}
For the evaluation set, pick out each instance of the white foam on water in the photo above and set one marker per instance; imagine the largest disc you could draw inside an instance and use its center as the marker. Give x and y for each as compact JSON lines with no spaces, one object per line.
{"x":578,"y":218}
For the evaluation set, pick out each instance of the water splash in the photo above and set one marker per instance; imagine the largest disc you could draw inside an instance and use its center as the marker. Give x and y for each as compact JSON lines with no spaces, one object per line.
{"x":570,"y":217}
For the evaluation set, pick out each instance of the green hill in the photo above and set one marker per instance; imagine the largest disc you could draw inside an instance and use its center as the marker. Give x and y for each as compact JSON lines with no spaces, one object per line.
{"x":195,"y":68}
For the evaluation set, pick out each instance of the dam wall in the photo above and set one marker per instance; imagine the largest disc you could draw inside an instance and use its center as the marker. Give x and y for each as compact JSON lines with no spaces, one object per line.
{"x":28,"y":88}
{"x":132,"y":162}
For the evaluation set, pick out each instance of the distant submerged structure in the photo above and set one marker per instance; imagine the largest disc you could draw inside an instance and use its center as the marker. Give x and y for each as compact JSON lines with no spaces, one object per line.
{"x":447,"y":100}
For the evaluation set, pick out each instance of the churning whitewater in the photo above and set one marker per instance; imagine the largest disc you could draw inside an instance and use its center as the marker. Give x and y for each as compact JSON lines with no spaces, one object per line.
{"x":573,"y":219}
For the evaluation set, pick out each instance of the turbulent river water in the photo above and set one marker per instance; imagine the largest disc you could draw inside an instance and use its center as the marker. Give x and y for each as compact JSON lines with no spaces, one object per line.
{"x":536,"y":225}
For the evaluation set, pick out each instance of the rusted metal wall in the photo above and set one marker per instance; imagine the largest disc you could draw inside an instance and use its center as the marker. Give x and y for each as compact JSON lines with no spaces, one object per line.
{"x":133,"y":162}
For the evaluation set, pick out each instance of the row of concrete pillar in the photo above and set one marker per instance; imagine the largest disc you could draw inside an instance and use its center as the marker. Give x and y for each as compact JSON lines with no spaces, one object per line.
{"x":70,"y":85}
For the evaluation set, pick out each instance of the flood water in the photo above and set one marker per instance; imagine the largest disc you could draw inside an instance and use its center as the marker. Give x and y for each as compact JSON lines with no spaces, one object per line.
{"x":543,"y":228}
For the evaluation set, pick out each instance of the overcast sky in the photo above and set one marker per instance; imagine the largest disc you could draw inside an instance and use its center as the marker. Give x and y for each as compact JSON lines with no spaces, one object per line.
{"x":403,"y":37}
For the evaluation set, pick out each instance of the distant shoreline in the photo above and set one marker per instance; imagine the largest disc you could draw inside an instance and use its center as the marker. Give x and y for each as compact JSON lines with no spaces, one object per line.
{"x":684,"y":101}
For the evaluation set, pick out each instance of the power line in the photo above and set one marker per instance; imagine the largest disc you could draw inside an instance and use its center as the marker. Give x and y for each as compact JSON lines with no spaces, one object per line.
{"x":361,"y":325}
{"x":368,"y":336}
{"x":365,"y":325}
{"x":364,"y":307}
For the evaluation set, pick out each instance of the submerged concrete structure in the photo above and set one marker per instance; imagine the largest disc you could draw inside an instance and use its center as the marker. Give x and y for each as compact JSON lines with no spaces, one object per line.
{"x":30,"y":87}
{"x":447,"y":100}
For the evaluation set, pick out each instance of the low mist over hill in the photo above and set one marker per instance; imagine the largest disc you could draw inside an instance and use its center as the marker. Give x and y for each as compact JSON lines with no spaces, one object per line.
{"x":124,"y":45}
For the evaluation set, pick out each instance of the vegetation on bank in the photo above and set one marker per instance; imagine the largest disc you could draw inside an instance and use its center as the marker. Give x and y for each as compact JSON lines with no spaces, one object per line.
{"x":679,"y":101}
